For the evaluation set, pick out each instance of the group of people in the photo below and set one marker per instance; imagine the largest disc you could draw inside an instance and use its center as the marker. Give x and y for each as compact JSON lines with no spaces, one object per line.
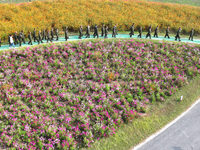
{"x":156,"y":33}
{"x":44,"y":35}
{"x":49,"y":35}
{"x":104,"y":31}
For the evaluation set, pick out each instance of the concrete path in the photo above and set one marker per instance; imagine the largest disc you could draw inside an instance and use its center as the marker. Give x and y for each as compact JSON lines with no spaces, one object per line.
{"x":72,"y":38}
{"x":182,"y":134}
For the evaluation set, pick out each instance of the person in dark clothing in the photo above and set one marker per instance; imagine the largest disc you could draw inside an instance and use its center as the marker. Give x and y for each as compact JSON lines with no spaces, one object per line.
{"x":140,"y":32}
{"x":44,"y":34}
{"x":167,"y":33}
{"x":66,"y":33}
{"x":39,"y":37}
{"x":106,"y":32}
{"x":20,"y":39}
{"x":87,"y":32}
{"x":132,"y":30}
{"x":52,"y":34}
{"x":96,"y":31}
{"x":114,"y":31}
{"x":156,"y":32}
{"x":34,"y":35}
{"x":15,"y":38}
{"x":191,"y":34}
{"x":149,"y":32}
{"x":23,"y":37}
{"x":102,"y":30}
{"x":80,"y":32}
{"x":178,"y":34}
{"x":48,"y":37}
{"x":30,"y":38}
{"x":0,"y":42}
{"x":57,"y":34}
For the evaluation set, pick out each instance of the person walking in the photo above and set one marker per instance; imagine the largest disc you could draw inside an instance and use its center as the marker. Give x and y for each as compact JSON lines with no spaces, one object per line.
{"x":48,"y":37}
{"x":57,"y":34}
{"x":106,"y":32}
{"x":140,"y":32}
{"x":114,"y":31}
{"x":66,"y":33}
{"x":87,"y":32}
{"x":34,"y":35}
{"x":149,"y":32}
{"x":0,"y":41}
{"x":191,"y":34}
{"x":39,"y":37}
{"x":15,"y":38}
{"x":102,"y":30}
{"x":11,"y":42}
{"x":23,"y":37}
{"x":96,"y":31}
{"x":156,"y":32}
{"x":52,"y":34}
{"x":44,"y":37}
{"x":132,"y":30}
{"x":80,"y":32}
{"x":178,"y":34}
{"x":167,"y":33}
{"x":20,"y":39}
{"x":30,"y":38}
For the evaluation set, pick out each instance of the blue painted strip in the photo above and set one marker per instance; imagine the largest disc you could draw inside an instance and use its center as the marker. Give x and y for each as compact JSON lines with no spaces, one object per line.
{"x":73,"y":38}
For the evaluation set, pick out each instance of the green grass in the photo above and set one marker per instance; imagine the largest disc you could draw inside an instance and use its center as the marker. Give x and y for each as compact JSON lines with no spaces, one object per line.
{"x":185,"y":2}
{"x":159,"y":115}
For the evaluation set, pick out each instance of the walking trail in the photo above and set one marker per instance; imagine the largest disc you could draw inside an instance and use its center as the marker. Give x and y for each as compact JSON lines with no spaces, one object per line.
{"x":73,"y":38}
{"x":180,"y":134}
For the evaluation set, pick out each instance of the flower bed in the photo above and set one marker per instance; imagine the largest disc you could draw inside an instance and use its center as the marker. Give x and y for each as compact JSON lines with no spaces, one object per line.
{"x":66,"y":96}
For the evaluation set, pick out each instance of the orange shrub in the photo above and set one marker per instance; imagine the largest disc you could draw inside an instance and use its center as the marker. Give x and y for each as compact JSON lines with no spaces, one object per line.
{"x":110,"y":76}
{"x":74,"y":13}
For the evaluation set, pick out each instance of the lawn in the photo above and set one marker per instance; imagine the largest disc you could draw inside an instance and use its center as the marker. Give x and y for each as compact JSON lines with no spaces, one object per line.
{"x":185,"y":2}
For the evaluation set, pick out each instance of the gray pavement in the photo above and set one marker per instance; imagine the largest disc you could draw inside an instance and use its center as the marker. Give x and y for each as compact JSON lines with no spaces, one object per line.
{"x":182,"y":135}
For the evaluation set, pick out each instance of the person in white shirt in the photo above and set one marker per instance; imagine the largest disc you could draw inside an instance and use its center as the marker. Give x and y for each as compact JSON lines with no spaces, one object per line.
{"x":11,"y":42}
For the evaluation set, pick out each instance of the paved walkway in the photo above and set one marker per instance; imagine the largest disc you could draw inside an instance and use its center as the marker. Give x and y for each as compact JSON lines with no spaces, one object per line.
{"x":183,"y":134}
{"x":72,"y":38}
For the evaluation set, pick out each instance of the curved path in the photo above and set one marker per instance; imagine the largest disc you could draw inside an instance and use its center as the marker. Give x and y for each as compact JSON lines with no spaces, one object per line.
{"x":181,"y":134}
{"x":72,"y":38}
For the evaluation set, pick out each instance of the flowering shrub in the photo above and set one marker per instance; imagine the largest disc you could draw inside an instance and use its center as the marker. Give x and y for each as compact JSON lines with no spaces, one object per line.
{"x":63,"y":97}
{"x":73,"y":13}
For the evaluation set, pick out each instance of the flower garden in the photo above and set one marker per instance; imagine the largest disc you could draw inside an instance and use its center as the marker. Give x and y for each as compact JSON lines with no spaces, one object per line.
{"x":73,"y":13}
{"x":69,"y":95}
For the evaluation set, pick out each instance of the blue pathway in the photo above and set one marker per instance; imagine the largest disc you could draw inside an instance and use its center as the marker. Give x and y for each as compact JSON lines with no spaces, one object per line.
{"x":72,"y":38}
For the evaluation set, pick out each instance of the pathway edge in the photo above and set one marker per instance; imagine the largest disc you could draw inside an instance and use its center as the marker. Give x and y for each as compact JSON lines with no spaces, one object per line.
{"x":151,"y":137}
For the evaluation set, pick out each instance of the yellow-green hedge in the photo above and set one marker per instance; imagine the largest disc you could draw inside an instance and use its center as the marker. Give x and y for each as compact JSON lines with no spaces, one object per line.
{"x":74,"y":13}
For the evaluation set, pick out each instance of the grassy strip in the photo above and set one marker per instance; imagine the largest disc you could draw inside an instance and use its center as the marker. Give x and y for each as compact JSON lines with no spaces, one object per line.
{"x":185,"y":2}
{"x":159,"y":115}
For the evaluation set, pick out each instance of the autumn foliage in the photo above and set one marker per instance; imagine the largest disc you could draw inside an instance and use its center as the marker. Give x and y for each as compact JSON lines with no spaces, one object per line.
{"x":74,"y":13}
